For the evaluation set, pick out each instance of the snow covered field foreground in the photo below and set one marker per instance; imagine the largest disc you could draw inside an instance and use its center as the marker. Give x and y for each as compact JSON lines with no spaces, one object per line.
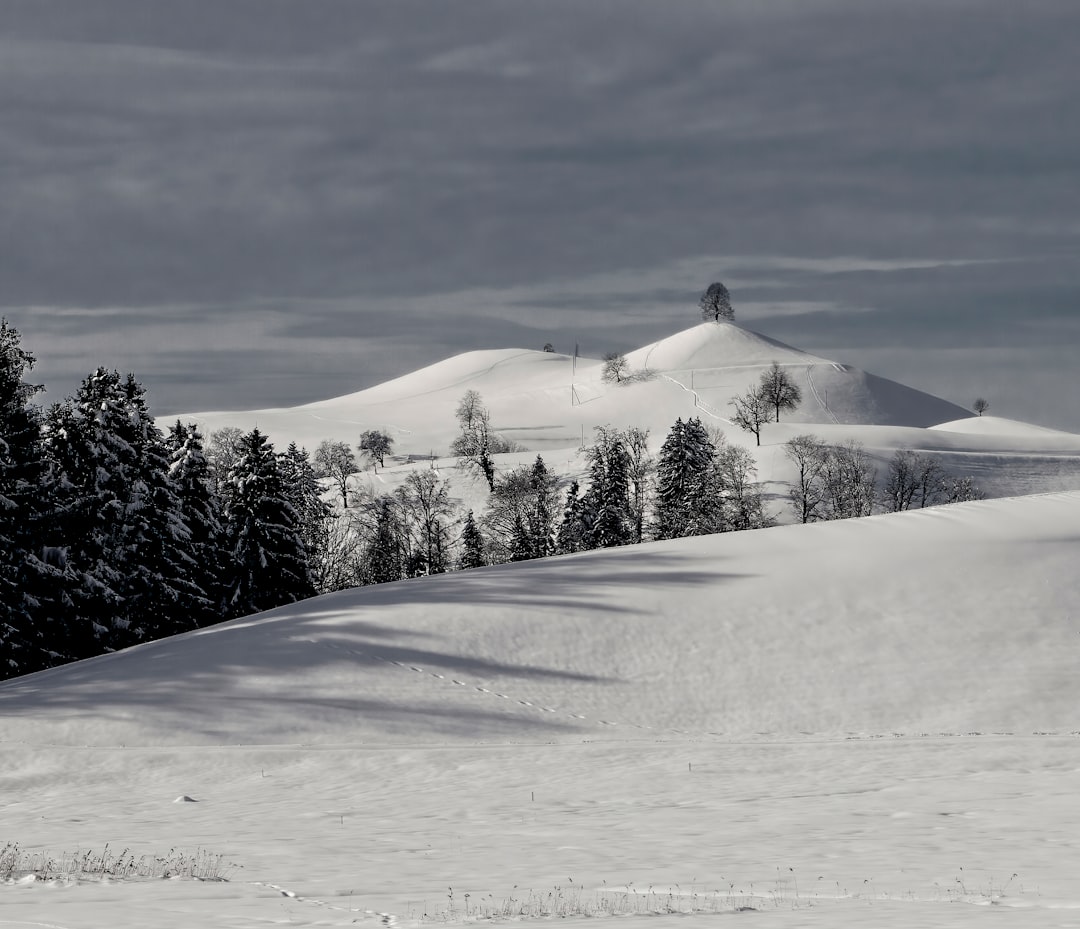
{"x":864,"y":723}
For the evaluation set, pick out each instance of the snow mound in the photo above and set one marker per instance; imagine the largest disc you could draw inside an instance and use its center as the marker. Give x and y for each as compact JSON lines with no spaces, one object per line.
{"x":997,"y":426}
{"x":458,"y":373}
{"x":716,"y":345}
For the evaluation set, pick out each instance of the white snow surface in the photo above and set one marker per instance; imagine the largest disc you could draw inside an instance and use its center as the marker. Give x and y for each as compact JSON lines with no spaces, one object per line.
{"x":866,"y":723}
{"x":550,"y":404}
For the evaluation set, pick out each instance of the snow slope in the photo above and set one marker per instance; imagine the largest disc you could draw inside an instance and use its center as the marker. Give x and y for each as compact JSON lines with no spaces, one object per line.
{"x":550,"y":403}
{"x":542,"y":399}
{"x":867,"y":722}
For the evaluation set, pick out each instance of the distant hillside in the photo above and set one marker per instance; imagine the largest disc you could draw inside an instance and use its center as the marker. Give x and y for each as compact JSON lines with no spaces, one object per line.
{"x":551,"y":403}
{"x":544,"y":400}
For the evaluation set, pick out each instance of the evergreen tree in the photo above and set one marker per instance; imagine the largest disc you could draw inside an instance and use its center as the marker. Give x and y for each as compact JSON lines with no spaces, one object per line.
{"x":541,"y":514}
{"x":385,"y":554}
{"x":203,"y":513}
{"x":520,"y":518}
{"x":606,"y":504}
{"x":300,"y":482}
{"x":27,"y":584}
{"x":472,"y":544}
{"x":573,"y":531}
{"x":269,"y":560}
{"x":686,"y":501}
{"x":118,"y":544}
{"x":154,"y":556}
{"x":521,"y":541}
{"x":80,"y":530}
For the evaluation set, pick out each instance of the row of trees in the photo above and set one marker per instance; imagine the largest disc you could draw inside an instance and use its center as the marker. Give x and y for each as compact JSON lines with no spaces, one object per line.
{"x":696,"y":485}
{"x":113,"y":533}
{"x":841,"y":481}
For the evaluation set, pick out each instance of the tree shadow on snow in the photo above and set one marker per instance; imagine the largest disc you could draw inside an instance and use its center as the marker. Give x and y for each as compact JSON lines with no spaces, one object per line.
{"x":341,"y":657}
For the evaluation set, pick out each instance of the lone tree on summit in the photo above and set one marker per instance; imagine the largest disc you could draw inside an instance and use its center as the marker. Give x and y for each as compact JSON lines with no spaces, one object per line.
{"x":715,"y":303}
{"x":980,"y":405}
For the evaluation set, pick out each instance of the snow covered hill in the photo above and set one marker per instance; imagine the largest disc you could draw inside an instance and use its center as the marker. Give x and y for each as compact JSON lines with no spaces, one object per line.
{"x":862,"y":621}
{"x":871,"y":721}
{"x":550,"y":403}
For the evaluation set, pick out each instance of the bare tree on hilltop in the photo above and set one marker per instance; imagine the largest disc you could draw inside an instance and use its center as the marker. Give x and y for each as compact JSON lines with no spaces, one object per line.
{"x":980,"y":405}
{"x":715,"y":304}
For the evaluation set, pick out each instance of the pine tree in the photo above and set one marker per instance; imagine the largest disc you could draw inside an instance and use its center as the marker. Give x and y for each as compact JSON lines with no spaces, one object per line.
{"x":302,"y":489}
{"x":118,"y":544}
{"x":685,"y":493}
{"x":269,"y":560}
{"x":521,"y":542}
{"x":541,"y":514}
{"x":203,"y":513}
{"x":154,"y":556}
{"x":606,"y":504}
{"x":572,"y":534}
{"x":385,"y":556}
{"x":28,"y":633}
{"x":472,"y":544}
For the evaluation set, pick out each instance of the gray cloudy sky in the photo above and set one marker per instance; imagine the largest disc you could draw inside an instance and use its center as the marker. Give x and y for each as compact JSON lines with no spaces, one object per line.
{"x":267,"y":202}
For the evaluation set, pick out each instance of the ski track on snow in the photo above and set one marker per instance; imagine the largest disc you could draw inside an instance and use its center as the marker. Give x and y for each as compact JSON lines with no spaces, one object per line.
{"x":817,"y":396}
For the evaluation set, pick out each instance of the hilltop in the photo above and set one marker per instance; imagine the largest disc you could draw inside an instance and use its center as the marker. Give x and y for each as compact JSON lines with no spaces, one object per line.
{"x":550,"y":403}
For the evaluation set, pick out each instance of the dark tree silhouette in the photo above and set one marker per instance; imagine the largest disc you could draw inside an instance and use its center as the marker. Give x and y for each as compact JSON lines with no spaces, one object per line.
{"x":715,"y":303}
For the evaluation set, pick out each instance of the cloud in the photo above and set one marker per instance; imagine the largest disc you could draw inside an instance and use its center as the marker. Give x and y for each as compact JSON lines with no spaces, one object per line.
{"x":253,"y":175}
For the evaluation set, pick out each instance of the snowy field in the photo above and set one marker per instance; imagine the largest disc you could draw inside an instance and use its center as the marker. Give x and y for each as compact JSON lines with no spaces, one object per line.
{"x":865,"y":723}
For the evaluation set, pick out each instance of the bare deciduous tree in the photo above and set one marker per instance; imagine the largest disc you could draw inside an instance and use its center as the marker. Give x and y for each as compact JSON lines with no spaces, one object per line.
{"x":616,"y":368}
{"x":780,"y":390}
{"x":849,"y":478}
{"x":806,"y":494}
{"x":752,"y":411}
{"x":477,"y":443}
{"x":222,"y":451}
{"x":425,"y":501}
{"x":915,"y":479}
{"x":980,"y":405}
{"x":833,"y":481}
{"x":336,"y":461}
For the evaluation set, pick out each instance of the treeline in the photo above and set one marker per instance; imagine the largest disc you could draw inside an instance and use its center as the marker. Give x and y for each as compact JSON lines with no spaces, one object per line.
{"x":841,"y":481}
{"x":113,"y":533}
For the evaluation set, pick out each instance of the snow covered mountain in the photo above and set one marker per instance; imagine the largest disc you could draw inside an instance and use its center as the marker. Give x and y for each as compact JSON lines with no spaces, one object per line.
{"x":550,"y":403}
